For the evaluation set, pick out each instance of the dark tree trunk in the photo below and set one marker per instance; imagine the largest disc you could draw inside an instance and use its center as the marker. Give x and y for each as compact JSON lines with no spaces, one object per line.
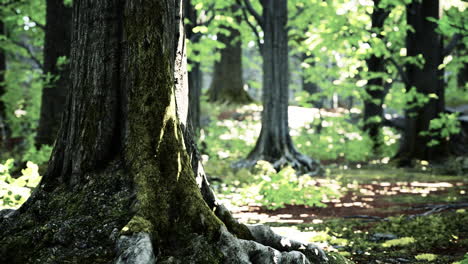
{"x":274,"y":143}
{"x":57,"y":44}
{"x":311,"y":87}
{"x":195,"y":74}
{"x":375,"y":89}
{"x":195,"y":86}
{"x":462,"y":76}
{"x":3,"y":128}
{"x":428,"y":80}
{"x":120,"y":173}
{"x":228,"y":85}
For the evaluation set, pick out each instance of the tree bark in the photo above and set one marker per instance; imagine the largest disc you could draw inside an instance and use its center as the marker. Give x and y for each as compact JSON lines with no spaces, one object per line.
{"x":228,"y":85}
{"x":462,"y":76}
{"x":427,"y":80}
{"x":195,"y":74}
{"x":3,"y":128}
{"x":274,"y":143}
{"x":57,"y":44}
{"x":375,"y":89}
{"x":120,"y":173}
{"x":311,"y":87}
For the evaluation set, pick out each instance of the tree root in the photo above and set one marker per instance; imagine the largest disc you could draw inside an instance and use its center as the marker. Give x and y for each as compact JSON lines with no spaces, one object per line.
{"x":298,"y":161}
{"x":439,"y":208}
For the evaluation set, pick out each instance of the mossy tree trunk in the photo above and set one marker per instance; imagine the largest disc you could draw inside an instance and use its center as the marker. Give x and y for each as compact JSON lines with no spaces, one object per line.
{"x":56,"y":45}
{"x":375,"y":89}
{"x":120,"y":174}
{"x":227,"y":85}
{"x":427,"y":80}
{"x":274,"y":143}
{"x":119,"y":159}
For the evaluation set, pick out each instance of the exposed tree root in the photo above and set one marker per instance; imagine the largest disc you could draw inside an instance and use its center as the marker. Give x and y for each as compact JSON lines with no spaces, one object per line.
{"x":439,"y":208}
{"x":298,"y":161}
{"x":229,"y":97}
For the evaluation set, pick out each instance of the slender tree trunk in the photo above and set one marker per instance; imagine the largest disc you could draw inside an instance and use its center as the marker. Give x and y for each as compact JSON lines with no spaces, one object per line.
{"x":462,"y":76}
{"x":3,"y":128}
{"x":228,"y":85}
{"x":119,"y":186}
{"x":311,"y":87}
{"x":375,"y":89}
{"x":274,"y":143}
{"x":195,"y":74}
{"x":427,"y":80}
{"x":57,"y":44}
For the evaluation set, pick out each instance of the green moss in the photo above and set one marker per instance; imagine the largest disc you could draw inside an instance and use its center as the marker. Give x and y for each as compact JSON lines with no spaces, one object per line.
{"x":336,"y":258}
{"x":138,"y":224}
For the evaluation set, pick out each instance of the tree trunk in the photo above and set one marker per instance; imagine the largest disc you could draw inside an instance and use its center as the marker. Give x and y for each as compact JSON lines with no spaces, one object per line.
{"x":274,"y":143}
{"x":57,"y":44}
{"x":120,"y":172}
{"x":3,"y":128}
{"x":195,"y":74}
{"x":310,"y":87}
{"x":228,"y":85}
{"x":375,"y":89}
{"x":427,"y":80}
{"x":462,"y":75}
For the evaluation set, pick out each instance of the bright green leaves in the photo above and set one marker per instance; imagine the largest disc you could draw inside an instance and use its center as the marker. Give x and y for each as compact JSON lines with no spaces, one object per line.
{"x":442,"y":128}
{"x":15,"y":191}
{"x":285,"y":187}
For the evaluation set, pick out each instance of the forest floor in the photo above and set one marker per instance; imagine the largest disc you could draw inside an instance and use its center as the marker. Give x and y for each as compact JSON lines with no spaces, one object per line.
{"x":383,"y":216}
{"x":372,"y":214}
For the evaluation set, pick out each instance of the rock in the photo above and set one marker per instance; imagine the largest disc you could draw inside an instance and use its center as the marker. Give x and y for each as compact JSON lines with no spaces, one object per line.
{"x":6,"y":213}
{"x":382,"y":237}
{"x":135,"y":249}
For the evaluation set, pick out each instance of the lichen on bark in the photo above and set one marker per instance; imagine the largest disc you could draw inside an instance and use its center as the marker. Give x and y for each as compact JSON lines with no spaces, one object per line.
{"x":120,"y":170}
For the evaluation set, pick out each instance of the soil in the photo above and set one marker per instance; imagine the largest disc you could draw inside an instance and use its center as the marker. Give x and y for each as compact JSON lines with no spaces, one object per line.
{"x":367,"y":201}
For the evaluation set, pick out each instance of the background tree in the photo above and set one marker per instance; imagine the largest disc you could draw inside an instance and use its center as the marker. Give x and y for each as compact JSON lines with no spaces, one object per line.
{"x":376,"y":88}
{"x":195,"y":73}
{"x":227,"y":84}
{"x":56,"y":53}
{"x":427,"y":82}
{"x":274,"y":143}
{"x":3,"y":128}
{"x":120,"y":152}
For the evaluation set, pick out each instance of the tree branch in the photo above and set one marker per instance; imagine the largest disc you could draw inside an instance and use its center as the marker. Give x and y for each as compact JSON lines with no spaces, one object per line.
{"x":452,"y":44}
{"x":39,"y":25}
{"x":10,"y":3}
{"x":254,"y":29}
{"x":30,"y":53}
{"x":208,"y":21}
{"x":400,"y":71}
{"x":254,"y":13}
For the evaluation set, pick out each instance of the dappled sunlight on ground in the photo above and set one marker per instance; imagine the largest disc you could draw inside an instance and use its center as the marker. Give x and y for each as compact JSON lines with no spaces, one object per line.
{"x":360,"y":197}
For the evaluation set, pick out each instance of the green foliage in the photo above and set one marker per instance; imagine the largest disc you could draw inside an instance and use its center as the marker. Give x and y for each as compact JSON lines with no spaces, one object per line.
{"x":15,"y":191}
{"x":431,"y":238}
{"x":22,"y":45}
{"x":341,"y":139}
{"x":399,"y":242}
{"x":426,"y":256}
{"x":442,"y":127}
{"x":465,"y":259}
{"x":285,"y":187}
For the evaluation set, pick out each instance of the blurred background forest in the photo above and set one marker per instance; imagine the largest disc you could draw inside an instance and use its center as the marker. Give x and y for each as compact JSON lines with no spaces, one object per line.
{"x":342,"y":122}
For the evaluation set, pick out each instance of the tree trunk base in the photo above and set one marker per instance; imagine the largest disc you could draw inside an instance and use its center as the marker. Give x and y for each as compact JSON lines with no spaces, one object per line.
{"x":298,"y":161}
{"x":240,"y":97}
{"x":69,"y":226}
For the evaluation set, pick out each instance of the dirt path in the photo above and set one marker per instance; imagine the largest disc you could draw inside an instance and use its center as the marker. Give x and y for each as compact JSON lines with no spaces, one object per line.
{"x":382,"y":200}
